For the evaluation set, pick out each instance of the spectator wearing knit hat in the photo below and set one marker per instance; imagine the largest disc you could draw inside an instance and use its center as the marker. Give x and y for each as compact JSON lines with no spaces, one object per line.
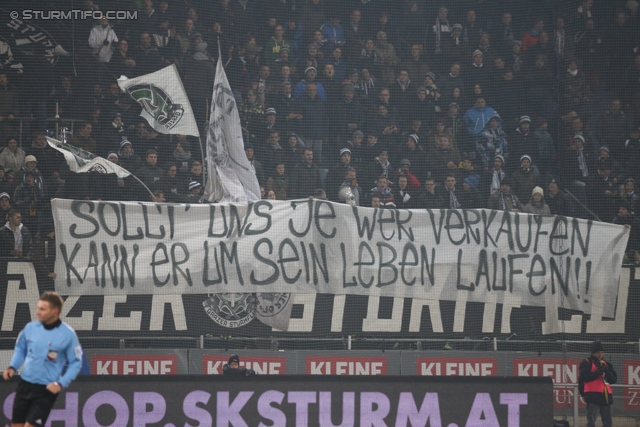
{"x":310,"y":74}
{"x":127,"y":157}
{"x":521,"y":142}
{"x":491,"y":178}
{"x":411,"y":150}
{"x":336,"y":174}
{"x":537,"y":204}
{"x":491,"y":141}
{"x":524,"y":178}
{"x":421,"y":107}
{"x":194,"y":193}
{"x":455,"y":46}
{"x":5,"y":206}
{"x":477,"y":72}
{"x":602,"y":192}
{"x":262,"y":132}
{"x":30,"y":166}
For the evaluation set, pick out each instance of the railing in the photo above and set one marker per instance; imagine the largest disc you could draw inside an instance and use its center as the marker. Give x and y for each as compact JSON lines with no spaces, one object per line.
{"x":53,"y":124}
{"x":347,"y":342}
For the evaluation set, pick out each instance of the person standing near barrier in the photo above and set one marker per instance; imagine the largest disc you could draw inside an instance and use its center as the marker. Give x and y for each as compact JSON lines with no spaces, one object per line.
{"x":596,"y":375}
{"x":233,"y":367}
{"x":46,"y":347}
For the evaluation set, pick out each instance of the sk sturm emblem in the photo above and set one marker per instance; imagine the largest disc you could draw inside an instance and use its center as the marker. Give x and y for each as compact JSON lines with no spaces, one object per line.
{"x":231,"y":310}
{"x":271,"y":304}
{"x":157,"y":103}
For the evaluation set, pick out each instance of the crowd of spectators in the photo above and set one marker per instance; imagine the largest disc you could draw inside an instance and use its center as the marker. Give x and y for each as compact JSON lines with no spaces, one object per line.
{"x":514,"y":105}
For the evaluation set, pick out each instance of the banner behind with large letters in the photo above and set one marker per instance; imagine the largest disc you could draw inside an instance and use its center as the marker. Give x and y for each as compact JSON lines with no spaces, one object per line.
{"x":107,"y":248}
{"x":314,"y":315}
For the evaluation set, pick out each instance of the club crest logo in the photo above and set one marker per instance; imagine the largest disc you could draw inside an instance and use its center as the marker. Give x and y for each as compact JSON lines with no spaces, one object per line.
{"x":270,"y":304}
{"x":157,"y":103}
{"x":231,"y":310}
{"x":98,"y":168}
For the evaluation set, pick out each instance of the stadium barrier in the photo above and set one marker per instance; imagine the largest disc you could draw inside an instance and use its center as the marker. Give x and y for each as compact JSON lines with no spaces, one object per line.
{"x":299,"y":400}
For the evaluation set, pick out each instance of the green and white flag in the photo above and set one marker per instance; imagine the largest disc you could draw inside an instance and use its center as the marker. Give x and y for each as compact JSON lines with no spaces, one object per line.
{"x":81,"y":161}
{"x":164,"y":102}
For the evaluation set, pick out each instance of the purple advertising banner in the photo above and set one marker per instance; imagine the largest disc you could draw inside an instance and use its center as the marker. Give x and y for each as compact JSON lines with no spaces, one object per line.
{"x":299,"y":400}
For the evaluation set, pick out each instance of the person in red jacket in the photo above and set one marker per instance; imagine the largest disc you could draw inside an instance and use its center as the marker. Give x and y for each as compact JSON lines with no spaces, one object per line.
{"x":596,"y":375}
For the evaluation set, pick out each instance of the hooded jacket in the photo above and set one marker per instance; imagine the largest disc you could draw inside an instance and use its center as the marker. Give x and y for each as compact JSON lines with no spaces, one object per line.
{"x":7,"y":241}
{"x":475,"y":119}
{"x":491,"y":142}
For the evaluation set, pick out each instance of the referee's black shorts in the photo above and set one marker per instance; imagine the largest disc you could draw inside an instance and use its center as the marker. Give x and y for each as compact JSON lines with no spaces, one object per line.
{"x":32,"y":404}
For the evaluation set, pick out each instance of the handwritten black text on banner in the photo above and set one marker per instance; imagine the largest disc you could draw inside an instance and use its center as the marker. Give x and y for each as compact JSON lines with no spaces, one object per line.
{"x":316,"y":246}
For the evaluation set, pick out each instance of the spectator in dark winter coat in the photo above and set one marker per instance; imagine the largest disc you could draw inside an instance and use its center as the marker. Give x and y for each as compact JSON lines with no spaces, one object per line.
{"x":557,"y":200}
{"x":596,"y":375}
{"x":305,"y":176}
{"x":524,"y":178}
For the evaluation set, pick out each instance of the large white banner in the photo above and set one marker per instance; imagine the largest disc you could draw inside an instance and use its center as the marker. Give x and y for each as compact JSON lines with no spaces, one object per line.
{"x":116,"y":248}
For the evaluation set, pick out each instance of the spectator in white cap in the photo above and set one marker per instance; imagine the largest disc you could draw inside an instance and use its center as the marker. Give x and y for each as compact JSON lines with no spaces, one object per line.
{"x":491,"y":178}
{"x":411,"y":150}
{"x":5,"y":206}
{"x":12,"y":157}
{"x":15,"y":237}
{"x":127,"y":158}
{"x":537,"y":204}
{"x":521,"y":141}
{"x":336,"y":174}
{"x":195,"y":188}
{"x":524,"y":178}
{"x":491,"y":141}
{"x":50,"y":160}
{"x":310,"y":74}
{"x":30,"y":165}
{"x":455,"y":46}
{"x":262,"y":133}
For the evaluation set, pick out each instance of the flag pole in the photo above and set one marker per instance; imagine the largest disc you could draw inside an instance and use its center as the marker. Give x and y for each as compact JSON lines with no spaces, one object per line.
{"x":57,"y":145}
{"x":144,"y":185}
